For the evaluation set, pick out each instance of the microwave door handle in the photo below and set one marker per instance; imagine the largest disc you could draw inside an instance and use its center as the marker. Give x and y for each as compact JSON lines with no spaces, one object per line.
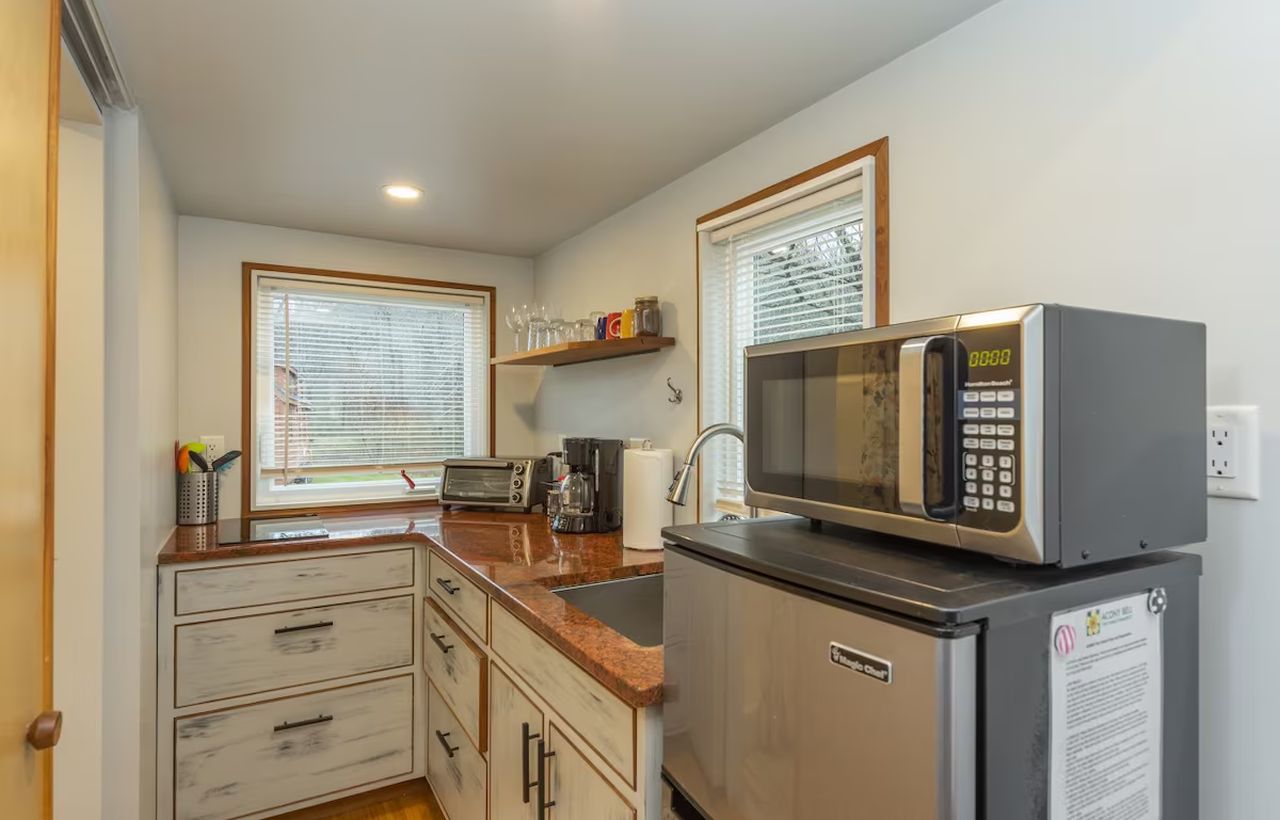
{"x":911,"y":424}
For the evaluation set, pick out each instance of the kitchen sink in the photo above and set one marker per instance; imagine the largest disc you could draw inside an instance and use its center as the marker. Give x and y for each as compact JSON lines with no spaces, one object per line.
{"x":631,"y":606}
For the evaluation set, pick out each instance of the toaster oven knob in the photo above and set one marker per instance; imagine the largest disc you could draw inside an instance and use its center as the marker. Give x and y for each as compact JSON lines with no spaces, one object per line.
{"x":517,"y":483}
{"x":515,"y":498}
{"x":519,"y":469}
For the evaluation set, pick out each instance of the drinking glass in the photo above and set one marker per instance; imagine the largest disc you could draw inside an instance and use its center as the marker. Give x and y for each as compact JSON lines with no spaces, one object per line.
{"x":517,"y":320}
{"x":537,"y":333}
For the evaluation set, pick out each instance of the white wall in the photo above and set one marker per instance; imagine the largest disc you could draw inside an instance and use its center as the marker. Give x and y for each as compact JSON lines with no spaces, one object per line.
{"x":141,"y":416}
{"x":79,"y":506}
{"x":1117,"y":155}
{"x":210,"y":255}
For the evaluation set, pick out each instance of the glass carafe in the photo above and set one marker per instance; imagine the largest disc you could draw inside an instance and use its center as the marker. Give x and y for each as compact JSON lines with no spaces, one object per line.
{"x":577,"y":493}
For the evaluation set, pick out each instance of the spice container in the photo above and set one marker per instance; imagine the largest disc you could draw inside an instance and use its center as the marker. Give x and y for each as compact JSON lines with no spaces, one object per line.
{"x":648,"y":321}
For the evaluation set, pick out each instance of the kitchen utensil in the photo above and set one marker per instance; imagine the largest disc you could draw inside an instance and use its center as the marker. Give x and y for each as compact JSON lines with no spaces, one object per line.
{"x":184,"y":459}
{"x":198,"y":460}
{"x":223,"y":462}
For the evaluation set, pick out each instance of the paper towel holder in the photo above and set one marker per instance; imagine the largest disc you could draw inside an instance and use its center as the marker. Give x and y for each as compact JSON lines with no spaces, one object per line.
{"x":677,"y":395}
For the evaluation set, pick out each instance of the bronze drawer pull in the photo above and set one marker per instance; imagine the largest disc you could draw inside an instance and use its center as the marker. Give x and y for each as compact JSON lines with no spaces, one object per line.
{"x":440,"y":736}
{"x":317,"y":625}
{"x":446,"y":586}
{"x":444,"y":647}
{"x":280,"y":727}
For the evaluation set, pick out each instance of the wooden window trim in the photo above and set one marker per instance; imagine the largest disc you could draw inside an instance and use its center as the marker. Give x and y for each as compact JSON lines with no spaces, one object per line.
{"x":247,"y":432}
{"x":879,"y":151}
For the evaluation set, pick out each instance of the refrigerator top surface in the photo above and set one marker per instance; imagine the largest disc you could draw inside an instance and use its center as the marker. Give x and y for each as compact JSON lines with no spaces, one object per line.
{"x":933,"y":584}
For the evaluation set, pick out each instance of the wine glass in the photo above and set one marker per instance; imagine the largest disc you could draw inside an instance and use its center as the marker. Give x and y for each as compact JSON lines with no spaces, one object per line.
{"x":517,"y":320}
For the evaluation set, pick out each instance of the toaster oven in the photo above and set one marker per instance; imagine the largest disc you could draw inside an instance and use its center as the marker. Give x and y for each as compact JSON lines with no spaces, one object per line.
{"x":504,"y":482}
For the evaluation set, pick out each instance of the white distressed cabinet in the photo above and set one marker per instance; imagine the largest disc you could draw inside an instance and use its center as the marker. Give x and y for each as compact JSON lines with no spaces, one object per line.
{"x":555,"y":742}
{"x":289,"y":680}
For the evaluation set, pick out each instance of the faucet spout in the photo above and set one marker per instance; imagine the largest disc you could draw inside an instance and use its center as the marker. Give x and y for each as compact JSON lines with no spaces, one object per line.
{"x":679,"y":489}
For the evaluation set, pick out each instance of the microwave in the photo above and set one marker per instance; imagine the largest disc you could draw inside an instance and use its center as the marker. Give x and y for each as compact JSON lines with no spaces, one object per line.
{"x":1043,"y":434}
{"x":509,"y":483}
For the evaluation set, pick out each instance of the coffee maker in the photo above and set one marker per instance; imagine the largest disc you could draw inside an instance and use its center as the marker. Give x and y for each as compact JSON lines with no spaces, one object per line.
{"x":591,"y":490}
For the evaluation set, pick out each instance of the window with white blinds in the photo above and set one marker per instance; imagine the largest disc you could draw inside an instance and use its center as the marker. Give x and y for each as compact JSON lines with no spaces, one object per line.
{"x":790,"y":266}
{"x":356,"y":381}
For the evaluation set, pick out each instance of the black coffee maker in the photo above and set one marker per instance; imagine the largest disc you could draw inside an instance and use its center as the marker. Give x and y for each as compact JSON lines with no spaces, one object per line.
{"x":591,"y":490}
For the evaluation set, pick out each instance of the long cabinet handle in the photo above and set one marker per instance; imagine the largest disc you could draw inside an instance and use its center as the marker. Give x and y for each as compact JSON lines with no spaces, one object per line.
{"x":442,"y":737}
{"x":543,"y":802}
{"x":280,"y":727}
{"x":444,"y":584}
{"x":526,"y":736}
{"x":302,"y":628}
{"x":439,"y":641}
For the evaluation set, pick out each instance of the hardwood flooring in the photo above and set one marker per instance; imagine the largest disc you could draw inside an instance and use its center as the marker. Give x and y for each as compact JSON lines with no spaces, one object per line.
{"x":404,"y":801}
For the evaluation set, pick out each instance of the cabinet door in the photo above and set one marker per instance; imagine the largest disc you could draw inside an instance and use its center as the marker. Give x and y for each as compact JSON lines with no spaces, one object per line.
{"x":512,"y":750}
{"x":579,"y":791}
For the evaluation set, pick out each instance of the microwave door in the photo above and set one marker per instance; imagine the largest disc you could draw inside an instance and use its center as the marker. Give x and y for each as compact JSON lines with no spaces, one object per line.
{"x":928,"y":482}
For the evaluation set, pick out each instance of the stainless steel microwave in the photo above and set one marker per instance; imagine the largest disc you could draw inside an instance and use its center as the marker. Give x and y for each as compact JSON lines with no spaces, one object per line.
{"x":1043,"y":434}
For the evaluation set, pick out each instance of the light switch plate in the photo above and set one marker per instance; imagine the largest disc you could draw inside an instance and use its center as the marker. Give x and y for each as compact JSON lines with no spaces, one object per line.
{"x":214,"y":446}
{"x":1232,"y":451}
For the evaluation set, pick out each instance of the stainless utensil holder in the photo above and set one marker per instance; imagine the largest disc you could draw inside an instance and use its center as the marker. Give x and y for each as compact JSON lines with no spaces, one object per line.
{"x":197,"y":498}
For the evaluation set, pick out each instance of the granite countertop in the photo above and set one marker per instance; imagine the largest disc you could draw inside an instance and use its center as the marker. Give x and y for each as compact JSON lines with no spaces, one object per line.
{"x":515,"y":557}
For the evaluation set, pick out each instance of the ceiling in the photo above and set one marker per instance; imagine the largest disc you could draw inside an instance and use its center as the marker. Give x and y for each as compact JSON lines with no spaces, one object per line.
{"x":525,"y":121}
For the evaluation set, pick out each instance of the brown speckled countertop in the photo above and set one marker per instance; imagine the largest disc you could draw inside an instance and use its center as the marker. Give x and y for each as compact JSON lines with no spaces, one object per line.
{"x":515,"y":557}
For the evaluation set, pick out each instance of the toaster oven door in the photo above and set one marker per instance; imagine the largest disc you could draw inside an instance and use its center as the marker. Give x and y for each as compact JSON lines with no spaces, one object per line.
{"x":858,"y":429}
{"x":477,"y":484}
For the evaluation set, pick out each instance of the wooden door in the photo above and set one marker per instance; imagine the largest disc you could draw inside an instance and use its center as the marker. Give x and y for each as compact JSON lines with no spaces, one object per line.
{"x":512,"y":750}
{"x":579,"y":790}
{"x":29,"y":53}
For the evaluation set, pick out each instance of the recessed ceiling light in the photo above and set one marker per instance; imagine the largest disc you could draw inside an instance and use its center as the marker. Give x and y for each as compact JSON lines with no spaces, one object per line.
{"x":402,"y":191}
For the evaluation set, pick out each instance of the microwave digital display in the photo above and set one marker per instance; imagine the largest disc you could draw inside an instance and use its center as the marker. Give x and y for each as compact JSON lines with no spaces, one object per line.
{"x":990,"y":358}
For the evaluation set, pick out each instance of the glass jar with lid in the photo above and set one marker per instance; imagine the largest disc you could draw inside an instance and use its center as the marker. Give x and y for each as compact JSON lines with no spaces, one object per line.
{"x":648,"y":320}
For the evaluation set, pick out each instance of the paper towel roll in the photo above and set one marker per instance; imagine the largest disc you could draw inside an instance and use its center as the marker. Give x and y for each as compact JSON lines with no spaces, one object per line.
{"x":646,"y":475}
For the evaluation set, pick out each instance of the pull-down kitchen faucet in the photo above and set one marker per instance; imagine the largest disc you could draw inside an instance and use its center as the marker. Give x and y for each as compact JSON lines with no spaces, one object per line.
{"x":680,"y":484}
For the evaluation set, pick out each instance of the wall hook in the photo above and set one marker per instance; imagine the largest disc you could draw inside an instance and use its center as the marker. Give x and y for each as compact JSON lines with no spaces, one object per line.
{"x":677,"y":395}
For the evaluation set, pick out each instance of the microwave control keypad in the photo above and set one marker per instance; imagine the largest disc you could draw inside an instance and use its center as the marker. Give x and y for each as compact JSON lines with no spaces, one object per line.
{"x":989,"y":444}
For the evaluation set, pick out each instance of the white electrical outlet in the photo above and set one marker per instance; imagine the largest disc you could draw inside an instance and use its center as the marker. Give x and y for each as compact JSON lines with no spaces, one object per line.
{"x":1232,"y":451}
{"x":214,"y":446}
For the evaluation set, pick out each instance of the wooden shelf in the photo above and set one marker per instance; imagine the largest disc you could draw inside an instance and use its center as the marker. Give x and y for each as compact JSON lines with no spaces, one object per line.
{"x":575,"y":352}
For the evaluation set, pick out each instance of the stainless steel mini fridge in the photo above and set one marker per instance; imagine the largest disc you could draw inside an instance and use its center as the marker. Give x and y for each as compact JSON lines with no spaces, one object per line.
{"x":837,"y":673}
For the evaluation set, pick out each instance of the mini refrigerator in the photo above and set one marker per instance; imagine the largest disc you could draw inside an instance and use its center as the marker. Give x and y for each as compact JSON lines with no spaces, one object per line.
{"x":815,"y":673}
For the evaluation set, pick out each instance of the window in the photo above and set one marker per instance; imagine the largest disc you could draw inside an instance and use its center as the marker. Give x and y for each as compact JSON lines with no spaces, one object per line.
{"x":354,"y":378}
{"x":798,"y":259}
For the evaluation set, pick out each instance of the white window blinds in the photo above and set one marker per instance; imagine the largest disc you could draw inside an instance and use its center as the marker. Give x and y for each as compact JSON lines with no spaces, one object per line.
{"x":355,"y":382}
{"x":798,"y":267}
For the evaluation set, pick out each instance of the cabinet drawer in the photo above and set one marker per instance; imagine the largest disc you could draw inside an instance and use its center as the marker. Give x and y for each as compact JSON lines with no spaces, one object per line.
{"x":259,"y":653}
{"x":459,"y":595}
{"x":266,"y":755}
{"x":459,"y":670}
{"x":456,"y":770}
{"x":599,"y":716}
{"x":272,"y":582}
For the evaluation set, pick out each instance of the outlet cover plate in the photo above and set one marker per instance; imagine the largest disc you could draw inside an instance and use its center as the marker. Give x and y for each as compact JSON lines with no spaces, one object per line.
{"x":1233,"y":451}
{"x":214,"y":446}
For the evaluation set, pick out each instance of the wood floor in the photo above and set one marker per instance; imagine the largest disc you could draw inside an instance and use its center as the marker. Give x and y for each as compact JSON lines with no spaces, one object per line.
{"x":403,"y":801}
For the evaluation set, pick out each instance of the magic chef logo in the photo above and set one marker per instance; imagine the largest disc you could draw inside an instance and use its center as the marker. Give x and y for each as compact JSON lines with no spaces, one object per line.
{"x":1096,"y":619}
{"x":875,"y":668}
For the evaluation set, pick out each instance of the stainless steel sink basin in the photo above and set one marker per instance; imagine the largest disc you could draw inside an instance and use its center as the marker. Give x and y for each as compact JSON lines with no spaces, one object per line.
{"x":631,"y":606}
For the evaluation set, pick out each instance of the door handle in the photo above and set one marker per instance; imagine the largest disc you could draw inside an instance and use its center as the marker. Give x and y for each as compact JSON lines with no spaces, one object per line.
{"x":912,"y":468}
{"x":45,"y":731}
{"x":439,"y":641}
{"x":543,"y":802}
{"x":526,"y":736}
{"x":444,"y":584}
{"x":442,"y":737}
